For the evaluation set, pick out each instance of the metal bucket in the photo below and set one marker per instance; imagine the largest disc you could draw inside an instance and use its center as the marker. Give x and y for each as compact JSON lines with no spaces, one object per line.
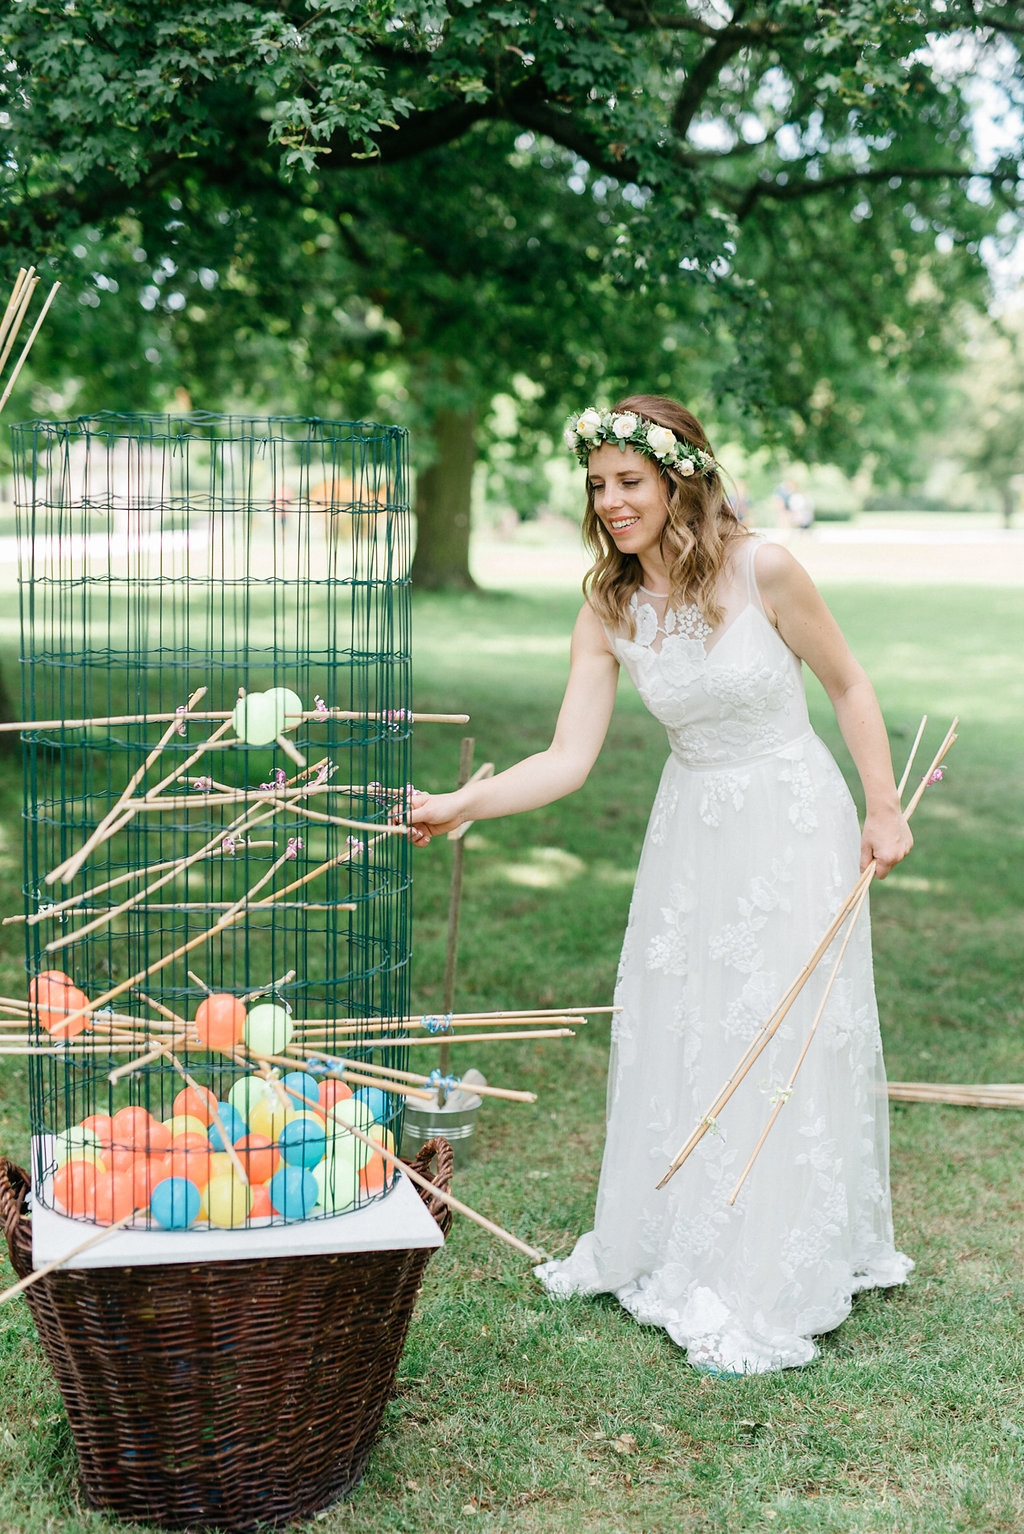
{"x":456,"y":1125}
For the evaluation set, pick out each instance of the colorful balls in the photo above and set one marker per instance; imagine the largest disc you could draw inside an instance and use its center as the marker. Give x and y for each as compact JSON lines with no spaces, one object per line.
{"x":220,"y":1022}
{"x":54,"y":995}
{"x":185,"y":1124}
{"x":196,"y":1103}
{"x":353,"y":1110}
{"x":115,"y":1197}
{"x":234,"y":1127}
{"x":293,"y":1192}
{"x":102,"y":1125}
{"x":337,"y":1177}
{"x":303,"y":1141}
{"x":258,"y":718}
{"x":333,"y":1091}
{"x":174,"y":1203}
{"x":128,"y":1126}
{"x":227,"y":1200}
{"x":378,"y":1102}
{"x":74,"y":1187}
{"x":270,"y":1116}
{"x":260,"y":1157}
{"x":383,"y":1137}
{"x":246,"y":1092}
{"x":75,"y":1142}
{"x":268,"y":1028}
{"x":288,"y":705}
{"x":374,"y":1176}
{"x":190,"y":1157}
{"x":262,"y":1208}
{"x":304,"y":1088}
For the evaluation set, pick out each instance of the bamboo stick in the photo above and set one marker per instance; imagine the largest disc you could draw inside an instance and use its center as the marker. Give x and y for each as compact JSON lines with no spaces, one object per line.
{"x":336,"y":713}
{"x":28,"y":344}
{"x":24,"y":275}
{"x":457,"y":1020}
{"x":224,"y":921}
{"x":67,"y":870}
{"x":769,"y":1028}
{"x":427,"y":1186}
{"x":469,"y":1038}
{"x":791,"y":1083}
{"x":390,"y":1073}
{"x":58,"y":1262}
{"x":958,"y":1095}
{"x":21,"y":307}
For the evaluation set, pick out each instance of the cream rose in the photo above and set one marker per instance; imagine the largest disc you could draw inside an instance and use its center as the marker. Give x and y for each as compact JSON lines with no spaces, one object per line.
{"x":625,"y":425}
{"x":588,"y":424}
{"x":685,"y":467}
{"x":661,"y":441}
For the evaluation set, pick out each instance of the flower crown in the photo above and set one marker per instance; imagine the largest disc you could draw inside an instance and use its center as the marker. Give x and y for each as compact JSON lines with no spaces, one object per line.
{"x":585,"y":431}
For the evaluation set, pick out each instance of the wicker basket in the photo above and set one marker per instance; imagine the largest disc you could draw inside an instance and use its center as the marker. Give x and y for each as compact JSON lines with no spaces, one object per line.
{"x":225,"y":1394}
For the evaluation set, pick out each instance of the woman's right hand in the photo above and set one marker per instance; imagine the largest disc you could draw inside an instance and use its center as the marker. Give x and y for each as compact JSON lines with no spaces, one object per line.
{"x":432,"y":815}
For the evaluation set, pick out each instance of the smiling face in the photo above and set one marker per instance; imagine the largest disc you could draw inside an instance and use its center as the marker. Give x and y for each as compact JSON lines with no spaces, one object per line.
{"x":631,"y":504}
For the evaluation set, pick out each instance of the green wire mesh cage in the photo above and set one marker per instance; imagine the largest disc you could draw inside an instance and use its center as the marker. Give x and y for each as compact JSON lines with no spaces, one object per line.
{"x":243,"y":910}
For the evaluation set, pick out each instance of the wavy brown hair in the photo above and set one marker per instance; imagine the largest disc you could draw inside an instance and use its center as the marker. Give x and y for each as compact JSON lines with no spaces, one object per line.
{"x":700,"y":527}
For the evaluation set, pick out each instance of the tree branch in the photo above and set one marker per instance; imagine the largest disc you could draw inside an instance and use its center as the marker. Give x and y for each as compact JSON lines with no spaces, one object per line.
{"x":793,"y":191}
{"x":700,"y":78}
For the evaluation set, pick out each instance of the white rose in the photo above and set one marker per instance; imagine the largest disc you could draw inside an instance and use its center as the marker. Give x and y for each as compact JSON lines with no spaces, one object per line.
{"x":625,"y":425}
{"x":685,"y":467}
{"x":569,"y":438}
{"x":661,"y":441}
{"x":589,"y":424}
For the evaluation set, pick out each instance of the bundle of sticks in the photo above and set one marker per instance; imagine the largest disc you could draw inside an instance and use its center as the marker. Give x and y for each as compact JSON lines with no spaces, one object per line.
{"x":846,"y":916}
{"x":17,"y":308}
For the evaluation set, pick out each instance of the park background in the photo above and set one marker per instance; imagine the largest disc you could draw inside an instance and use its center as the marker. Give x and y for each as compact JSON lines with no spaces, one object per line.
{"x":470,"y":219}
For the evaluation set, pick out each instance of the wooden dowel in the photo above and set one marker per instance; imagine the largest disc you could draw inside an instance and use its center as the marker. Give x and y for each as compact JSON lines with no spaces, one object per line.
{"x":389,"y":1073}
{"x":24,"y":275}
{"x":190,"y":761}
{"x":291,"y":750}
{"x":58,"y":1262}
{"x":337,"y":713}
{"x":118,"y":810}
{"x":446,"y":1198}
{"x":774,"y":1021}
{"x":784,"y":1096}
{"x":468,"y":1038}
{"x":28,"y":344}
{"x":21,"y":306}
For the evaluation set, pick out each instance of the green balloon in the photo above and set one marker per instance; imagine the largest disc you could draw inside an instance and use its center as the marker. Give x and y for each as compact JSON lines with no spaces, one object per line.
{"x":246,"y":1092}
{"x":258,"y":718}
{"x":268,"y":1028}
{"x":288,"y":705}
{"x":337,"y":1177}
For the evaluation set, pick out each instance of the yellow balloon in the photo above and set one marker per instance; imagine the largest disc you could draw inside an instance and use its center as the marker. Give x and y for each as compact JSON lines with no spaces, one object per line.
{"x":384,"y":1137}
{"x":227,"y":1200}
{"x":186,"y":1124}
{"x":270,"y":1116}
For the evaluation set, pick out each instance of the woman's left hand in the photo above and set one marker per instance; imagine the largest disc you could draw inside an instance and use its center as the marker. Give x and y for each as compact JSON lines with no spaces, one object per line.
{"x":887,"y":839}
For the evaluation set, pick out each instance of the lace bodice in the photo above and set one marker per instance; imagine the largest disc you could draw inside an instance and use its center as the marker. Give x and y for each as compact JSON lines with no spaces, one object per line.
{"x":724,"y":695}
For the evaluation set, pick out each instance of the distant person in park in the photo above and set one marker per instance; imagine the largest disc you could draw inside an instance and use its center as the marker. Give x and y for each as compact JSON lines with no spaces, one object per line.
{"x":752,"y":844}
{"x":794,"y":508}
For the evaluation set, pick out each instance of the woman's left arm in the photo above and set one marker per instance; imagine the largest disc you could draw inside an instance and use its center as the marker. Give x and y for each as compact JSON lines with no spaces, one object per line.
{"x":798,"y":610}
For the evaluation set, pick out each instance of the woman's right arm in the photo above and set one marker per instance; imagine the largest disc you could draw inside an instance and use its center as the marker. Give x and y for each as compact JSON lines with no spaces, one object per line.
{"x":579,"y":735}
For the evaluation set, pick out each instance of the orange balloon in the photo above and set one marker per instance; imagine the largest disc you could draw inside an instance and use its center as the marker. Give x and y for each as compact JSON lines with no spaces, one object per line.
{"x":130,"y":1126}
{"x":101,"y":1125}
{"x":54,"y":995}
{"x":260,"y":1157}
{"x":332,"y":1092}
{"x":190,"y":1157}
{"x":374,"y":1175}
{"x":261,"y":1204}
{"x":74,"y":1187}
{"x":220,"y":1021}
{"x":195,"y":1102}
{"x":116,"y":1197}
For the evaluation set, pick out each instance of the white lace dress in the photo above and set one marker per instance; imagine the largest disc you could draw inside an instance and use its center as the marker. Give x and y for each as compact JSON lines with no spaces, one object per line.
{"x":752,"y":844}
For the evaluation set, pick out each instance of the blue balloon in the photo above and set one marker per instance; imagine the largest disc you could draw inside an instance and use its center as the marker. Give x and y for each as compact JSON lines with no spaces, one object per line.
{"x":378,"y":1102}
{"x":293,"y":1192}
{"x":302,"y":1143}
{"x":233,"y":1122}
{"x":174,"y":1203}
{"x":299,"y":1085}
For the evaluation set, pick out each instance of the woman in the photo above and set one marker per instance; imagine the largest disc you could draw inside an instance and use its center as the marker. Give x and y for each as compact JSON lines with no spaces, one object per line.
{"x":752,"y":844}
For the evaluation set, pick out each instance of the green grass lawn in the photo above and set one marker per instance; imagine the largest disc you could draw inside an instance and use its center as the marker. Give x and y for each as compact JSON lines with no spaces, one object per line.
{"x":516,"y":1412}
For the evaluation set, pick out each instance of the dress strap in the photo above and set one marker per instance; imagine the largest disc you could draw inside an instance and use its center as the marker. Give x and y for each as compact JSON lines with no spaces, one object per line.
{"x":753,"y":592}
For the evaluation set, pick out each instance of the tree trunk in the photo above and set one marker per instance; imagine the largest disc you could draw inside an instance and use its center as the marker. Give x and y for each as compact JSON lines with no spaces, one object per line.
{"x":443,"y":497}
{"x":1008,"y":499}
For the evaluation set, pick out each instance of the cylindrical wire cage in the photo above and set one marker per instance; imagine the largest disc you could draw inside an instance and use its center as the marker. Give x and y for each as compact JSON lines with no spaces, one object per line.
{"x":160,"y":555}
